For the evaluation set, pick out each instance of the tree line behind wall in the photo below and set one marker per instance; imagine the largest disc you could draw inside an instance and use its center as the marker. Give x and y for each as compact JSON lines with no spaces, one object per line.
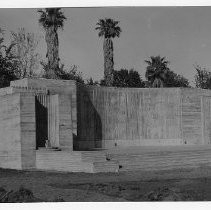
{"x":20,"y":59}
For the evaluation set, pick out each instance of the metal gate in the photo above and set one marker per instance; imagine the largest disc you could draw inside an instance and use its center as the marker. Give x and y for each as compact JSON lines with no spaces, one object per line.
{"x":41,"y":111}
{"x":47,"y":120}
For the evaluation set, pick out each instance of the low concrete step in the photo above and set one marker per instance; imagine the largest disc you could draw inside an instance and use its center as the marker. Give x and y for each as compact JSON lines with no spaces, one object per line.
{"x":89,"y":162}
{"x":125,"y":160}
{"x":106,"y":166}
{"x":49,"y":149}
{"x":152,"y":159}
{"x":163,"y":165}
{"x":161,"y":160}
{"x":93,"y":156}
{"x":61,"y":161}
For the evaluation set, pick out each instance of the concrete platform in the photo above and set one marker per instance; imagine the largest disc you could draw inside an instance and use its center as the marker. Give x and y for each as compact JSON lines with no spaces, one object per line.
{"x":70,"y":161}
{"x":124,"y":159}
{"x":160,"y":158}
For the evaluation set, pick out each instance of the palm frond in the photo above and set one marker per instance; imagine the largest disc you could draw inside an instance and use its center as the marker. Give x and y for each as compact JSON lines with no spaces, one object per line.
{"x":157,"y":70}
{"x":51,"y":17}
{"x":108,"y":28}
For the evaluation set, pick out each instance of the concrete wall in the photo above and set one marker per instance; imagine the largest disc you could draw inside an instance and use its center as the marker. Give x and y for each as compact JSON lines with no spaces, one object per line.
{"x":196,"y":116}
{"x":54,"y":86}
{"x":17,"y":131}
{"x":102,"y":117}
{"x":61,"y":87}
{"x":65,"y":122}
{"x":109,"y":117}
{"x":28,"y":130}
{"x":10,"y":132}
{"x":206,"y":115}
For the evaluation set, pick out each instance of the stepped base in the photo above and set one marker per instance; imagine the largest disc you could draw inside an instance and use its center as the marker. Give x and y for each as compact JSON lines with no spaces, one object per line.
{"x":124,"y":159}
{"x":161,"y":158}
{"x":66,"y":161}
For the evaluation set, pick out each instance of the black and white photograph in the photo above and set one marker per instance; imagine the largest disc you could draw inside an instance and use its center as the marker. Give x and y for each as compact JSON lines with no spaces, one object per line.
{"x":105,"y":104}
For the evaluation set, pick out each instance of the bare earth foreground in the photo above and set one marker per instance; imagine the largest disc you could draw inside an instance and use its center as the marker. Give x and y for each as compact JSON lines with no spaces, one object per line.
{"x":172,"y":185}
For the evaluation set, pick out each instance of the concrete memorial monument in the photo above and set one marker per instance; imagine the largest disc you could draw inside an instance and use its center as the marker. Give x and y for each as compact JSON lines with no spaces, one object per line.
{"x":46,"y":124}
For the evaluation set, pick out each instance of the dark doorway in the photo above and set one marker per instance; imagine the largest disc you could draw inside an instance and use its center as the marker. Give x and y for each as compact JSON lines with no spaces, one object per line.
{"x":41,"y":122}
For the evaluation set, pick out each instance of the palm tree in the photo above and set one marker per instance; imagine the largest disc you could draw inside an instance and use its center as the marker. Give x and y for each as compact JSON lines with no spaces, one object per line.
{"x":51,"y":20}
{"x":156,"y":71}
{"x":109,"y":29}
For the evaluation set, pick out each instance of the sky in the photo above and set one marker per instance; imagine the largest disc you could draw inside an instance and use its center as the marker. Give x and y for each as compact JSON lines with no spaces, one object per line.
{"x":181,"y":34}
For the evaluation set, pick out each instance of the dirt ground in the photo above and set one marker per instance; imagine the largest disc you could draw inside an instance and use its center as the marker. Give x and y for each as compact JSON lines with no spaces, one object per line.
{"x":173,"y":185}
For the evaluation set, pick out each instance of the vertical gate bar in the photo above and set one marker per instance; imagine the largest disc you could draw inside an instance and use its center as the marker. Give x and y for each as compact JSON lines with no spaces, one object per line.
{"x":48,"y":105}
{"x":52,"y":121}
{"x":202,"y":120}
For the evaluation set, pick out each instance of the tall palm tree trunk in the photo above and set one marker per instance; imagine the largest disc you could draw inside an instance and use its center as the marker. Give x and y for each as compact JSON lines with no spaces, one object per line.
{"x":52,"y":51}
{"x":108,"y":61}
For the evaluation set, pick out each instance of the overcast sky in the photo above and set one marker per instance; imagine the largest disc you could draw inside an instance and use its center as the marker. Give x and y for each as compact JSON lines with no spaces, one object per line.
{"x":181,"y":34}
